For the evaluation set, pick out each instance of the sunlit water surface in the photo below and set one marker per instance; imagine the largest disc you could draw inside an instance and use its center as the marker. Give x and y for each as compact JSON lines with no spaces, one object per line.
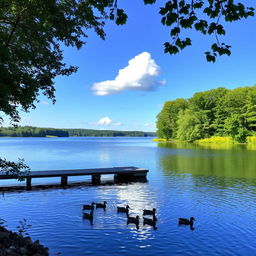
{"x":215,"y":185}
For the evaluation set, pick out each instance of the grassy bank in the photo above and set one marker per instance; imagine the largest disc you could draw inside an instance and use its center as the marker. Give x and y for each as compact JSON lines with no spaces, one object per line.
{"x":212,"y":140}
{"x":216,"y":140}
{"x":159,"y":140}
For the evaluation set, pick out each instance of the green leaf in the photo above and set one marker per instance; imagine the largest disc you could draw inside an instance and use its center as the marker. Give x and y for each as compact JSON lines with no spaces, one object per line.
{"x":171,"y":18}
{"x":188,"y":41}
{"x":163,"y":20}
{"x":149,"y":1}
{"x":210,"y":58}
{"x":121,"y":17}
{"x":220,"y":30}
{"x":170,"y":48}
{"x":163,"y":11}
{"x":198,"y":5}
{"x":175,"y":31}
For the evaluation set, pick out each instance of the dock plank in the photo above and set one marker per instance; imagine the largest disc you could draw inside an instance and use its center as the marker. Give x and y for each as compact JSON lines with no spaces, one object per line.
{"x":120,"y":173}
{"x":78,"y":172}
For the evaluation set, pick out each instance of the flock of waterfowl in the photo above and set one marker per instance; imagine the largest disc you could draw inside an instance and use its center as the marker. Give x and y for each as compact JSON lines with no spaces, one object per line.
{"x":132,"y":219}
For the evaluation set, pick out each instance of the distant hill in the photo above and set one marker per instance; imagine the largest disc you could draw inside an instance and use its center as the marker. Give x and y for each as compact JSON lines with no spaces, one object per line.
{"x":30,"y":131}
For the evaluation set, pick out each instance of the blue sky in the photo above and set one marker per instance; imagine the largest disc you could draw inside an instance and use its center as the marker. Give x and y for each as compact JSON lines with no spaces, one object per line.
{"x":183,"y":74}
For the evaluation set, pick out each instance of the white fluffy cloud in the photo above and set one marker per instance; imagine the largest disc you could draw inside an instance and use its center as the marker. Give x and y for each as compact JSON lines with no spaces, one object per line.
{"x":140,"y":74}
{"x":107,"y":121}
{"x":104,"y":121}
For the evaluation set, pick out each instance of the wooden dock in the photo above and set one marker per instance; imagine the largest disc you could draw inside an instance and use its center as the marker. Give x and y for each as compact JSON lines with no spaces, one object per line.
{"x":120,"y":174}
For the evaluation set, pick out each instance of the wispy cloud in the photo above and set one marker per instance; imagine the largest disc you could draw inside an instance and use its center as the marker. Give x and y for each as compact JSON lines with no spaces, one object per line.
{"x":104,"y":121}
{"x":140,"y":74}
{"x":118,"y":124}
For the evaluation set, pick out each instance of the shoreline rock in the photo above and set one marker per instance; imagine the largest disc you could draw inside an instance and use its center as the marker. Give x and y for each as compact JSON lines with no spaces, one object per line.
{"x":12,"y":244}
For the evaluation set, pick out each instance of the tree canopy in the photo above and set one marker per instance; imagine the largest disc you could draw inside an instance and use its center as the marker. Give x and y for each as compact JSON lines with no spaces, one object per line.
{"x":31,"y":35}
{"x":217,"y":112}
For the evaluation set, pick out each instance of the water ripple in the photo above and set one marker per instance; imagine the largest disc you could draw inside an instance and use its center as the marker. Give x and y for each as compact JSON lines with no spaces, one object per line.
{"x":183,"y":182}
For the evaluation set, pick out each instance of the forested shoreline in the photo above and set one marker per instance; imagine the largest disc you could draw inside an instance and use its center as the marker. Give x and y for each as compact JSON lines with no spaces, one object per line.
{"x":30,"y":131}
{"x":217,"y":112}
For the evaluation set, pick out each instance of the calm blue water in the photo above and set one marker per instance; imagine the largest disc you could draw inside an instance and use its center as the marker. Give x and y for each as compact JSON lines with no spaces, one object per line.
{"x":216,"y":186}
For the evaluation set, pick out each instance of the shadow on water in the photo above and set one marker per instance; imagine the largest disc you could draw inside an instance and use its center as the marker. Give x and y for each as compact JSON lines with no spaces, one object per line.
{"x":22,"y":188}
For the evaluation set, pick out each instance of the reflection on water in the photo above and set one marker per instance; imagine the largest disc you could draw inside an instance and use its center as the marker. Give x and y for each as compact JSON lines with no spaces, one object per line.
{"x":236,"y":162}
{"x":215,"y":185}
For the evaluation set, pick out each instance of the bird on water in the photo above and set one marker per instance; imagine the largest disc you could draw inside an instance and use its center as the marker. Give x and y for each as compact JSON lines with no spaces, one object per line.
{"x":89,"y":206}
{"x":150,"y":212}
{"x":100,"y":205}
{"x":123,"y":209}
{"x":184,"y":221}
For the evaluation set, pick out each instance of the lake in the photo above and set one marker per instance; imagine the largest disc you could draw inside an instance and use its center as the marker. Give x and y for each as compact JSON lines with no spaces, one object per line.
{"x":216,"y":185}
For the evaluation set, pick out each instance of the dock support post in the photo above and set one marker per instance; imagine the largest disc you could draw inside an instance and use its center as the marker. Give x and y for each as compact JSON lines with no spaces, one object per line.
{"x":28,"y":183}
{"x":96,"y":179}
{"x":64,"y":180}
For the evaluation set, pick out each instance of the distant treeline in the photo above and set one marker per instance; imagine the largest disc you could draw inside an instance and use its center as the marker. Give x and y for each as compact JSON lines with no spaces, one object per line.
{"x":29,"y":131}
{"x":217,"y":112}
{"x":107,"y":133}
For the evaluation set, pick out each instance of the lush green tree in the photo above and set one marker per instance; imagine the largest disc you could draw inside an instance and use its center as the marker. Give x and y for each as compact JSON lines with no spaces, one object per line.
{"x":167,"y":118}
{"x":235,"y":100}
{"x":220,"y":117}
{"x":219,"y":112}
{"x":163,"y":125}
{"x":208,"y":105}
{"x":189,"y":126}
{"x":31,"y":35}
{"x":234,"y":126}
{"x":249,"y":110}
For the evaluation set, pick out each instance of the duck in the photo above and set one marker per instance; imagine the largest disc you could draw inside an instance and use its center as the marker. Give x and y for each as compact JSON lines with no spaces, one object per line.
{"x":150,"y":222}
{"x":89,"y":206}
{"x":123,"y":209}
{"x":100,"y":205}
{"x":135,"y":220}
{"x":88,"y":216}
{"x":183,"y":221}
{"x":150,"y":212}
